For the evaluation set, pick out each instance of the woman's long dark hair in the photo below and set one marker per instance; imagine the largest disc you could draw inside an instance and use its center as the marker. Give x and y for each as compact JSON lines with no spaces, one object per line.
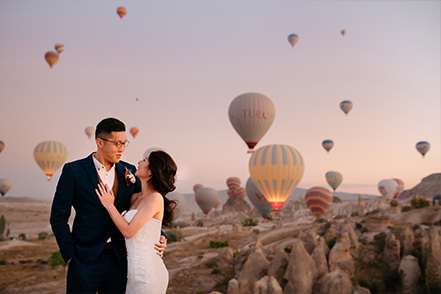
{"x":163,"y":169}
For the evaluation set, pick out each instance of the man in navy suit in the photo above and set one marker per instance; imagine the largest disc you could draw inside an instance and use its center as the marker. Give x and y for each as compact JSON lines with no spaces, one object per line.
{"x":95,"y":249}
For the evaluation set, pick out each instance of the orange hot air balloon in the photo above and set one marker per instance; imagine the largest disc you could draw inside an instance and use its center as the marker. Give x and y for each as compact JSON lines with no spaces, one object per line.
{"x":197,"y":187}
{"x":134,"y":131}
{"x":121,"y":11}
{"x":51,"y":58}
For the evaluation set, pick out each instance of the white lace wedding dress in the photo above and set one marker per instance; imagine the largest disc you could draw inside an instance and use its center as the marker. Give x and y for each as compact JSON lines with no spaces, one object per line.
{"x":146,"y":272}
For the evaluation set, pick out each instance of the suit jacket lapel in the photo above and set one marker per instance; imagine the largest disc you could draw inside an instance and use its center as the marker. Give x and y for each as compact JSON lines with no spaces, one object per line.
{"x":91,"y":171}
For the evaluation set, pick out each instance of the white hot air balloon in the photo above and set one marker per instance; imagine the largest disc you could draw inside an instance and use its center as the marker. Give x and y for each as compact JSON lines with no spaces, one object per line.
{"x":206,"y":198}
{"x":251,"y":115}
{"x":90,"y":131}
{"x":150,"y":150}
{"x":388,"y":188}
{"x":5,"y":185}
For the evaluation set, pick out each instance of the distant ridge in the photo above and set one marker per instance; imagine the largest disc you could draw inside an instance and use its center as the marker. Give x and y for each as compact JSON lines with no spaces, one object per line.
{"x":20,"y":199}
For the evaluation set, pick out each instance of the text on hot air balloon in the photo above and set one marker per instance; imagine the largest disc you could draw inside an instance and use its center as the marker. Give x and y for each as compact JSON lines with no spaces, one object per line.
{"x":257,"y":114}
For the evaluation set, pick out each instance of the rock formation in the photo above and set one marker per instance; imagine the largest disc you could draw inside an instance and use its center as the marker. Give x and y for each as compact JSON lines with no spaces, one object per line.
{"x":410,"y":273}
{"x":301,"y":272}
{"x":429,"y":187}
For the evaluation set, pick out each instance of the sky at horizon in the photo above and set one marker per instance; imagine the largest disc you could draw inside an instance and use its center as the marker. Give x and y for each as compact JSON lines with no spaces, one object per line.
{"x":186,"y":61}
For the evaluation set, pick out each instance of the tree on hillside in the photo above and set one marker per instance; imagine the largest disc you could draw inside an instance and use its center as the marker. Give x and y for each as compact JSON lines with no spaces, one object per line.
{"x":2,"y":225}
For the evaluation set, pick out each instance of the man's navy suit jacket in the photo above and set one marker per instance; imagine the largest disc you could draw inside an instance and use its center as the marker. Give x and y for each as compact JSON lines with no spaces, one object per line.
{"x":92,"y":225}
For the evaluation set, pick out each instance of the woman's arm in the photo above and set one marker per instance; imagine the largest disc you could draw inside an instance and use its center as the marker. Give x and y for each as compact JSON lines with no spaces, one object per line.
{"x":144,"y":214}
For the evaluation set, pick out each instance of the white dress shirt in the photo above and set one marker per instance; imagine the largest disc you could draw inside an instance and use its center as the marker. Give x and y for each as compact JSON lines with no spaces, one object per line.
{"x":107,"y":177}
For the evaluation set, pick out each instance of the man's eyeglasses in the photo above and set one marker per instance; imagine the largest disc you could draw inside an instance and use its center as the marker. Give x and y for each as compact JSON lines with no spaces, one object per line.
{"x":118,"y":144}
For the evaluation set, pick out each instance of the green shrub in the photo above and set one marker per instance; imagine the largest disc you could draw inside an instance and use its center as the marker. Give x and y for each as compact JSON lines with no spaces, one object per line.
{"x":249,"y":222}
{"x":288,"y":250}
{"x":174,"y":235}
{"x":215,"y":272}
{"x":331,"y":242}
{"x":419,"y":202}
{"x":43,"y":236}
{"x":406,"y":208}
{"x":210,"y":264}
{"x":3,"y":262}
{"x":25,"y":261}
{"x":22,"y":236}
{"x":56,"y":259}
{"x":218,"y":244}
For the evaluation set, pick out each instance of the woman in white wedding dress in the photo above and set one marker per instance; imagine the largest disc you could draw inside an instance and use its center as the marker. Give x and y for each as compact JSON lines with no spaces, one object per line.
{"x":141,"y":225}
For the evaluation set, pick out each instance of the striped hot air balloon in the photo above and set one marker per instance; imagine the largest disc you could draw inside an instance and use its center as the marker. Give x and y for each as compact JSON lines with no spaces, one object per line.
{"x":2,"y":146}
{"x":50,"y":156}
{"x":400,"y":188}
{"x":276,"y":170}
{"x":59,"y":47}
{"x":206,"y":198}
{"x":346,"y":106}
{"x":181,"y":204}
{"x":334,"y":179}
{"x":51,"y":58}
{"x":318,"y":200}
{"x":423,"y":147}
{"x":293,"y":39}
{"x":5,"y":185}
{"x":121,"y":11}
{"x":241,"y":193}
{"x":328,"y":144}
{"x":258,"y":200}
{"x":251,"y":115}
{"x":233,"y":184}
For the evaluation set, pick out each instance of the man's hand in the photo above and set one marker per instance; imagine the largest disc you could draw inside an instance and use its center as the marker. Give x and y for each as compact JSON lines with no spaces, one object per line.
{"x":160,"y":247}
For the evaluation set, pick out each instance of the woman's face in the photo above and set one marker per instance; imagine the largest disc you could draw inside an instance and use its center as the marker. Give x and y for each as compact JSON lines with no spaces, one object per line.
{"x":143,"y":171}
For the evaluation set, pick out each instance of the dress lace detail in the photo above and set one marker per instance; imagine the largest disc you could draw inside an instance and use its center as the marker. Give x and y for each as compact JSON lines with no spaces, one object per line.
{"x":146,"y":272}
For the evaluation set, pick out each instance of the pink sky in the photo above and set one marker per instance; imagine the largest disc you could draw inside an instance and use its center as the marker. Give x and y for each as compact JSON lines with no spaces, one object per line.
{"x":187,"y":60}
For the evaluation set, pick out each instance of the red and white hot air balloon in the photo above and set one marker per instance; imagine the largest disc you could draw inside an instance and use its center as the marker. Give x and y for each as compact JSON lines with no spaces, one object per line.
{"x":251,"y":115}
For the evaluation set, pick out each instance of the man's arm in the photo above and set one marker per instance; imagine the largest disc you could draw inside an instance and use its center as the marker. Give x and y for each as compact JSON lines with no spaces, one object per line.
{"x":60,"y":213}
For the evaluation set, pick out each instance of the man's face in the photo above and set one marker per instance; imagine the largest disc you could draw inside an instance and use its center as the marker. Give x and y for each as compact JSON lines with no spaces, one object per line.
{"x":109,"y":149}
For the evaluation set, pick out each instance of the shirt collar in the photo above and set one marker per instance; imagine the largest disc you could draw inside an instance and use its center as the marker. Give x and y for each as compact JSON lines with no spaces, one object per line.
{"x":99,"y":166}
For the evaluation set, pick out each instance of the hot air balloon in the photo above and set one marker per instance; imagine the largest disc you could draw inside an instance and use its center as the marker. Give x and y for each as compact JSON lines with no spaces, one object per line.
{"x":181,"y":204}
{"x":51,"y":58}
{"x":241,"y":193}
{"x":423,"y":147}
{"x":2,"y":146}
{"x":293,"y":39}
{"x":233,"y":184}
{"x":59,"y":48}
{"x":251,"y":115}
{"x":50,"y":156}
{"x":276,"y":170}
{"x":328,"y":144}
{"x":346,"y":106}
{"x":90,"y":131}
{"x":388,"y":188}
{"x":5,"y":185}
{"x":258,"y":200}
{"x":197,"y":187}
{"x":334,"y":179}
{"x":121,"y":12}
{"x":150,"y":150}
{"x":134,"y":131}
{"x":436,"y":199}
{"x":318,"y":200}
{"x":206,"y":198}
{"x":400,"y":187}
{"x":343,"y":32}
